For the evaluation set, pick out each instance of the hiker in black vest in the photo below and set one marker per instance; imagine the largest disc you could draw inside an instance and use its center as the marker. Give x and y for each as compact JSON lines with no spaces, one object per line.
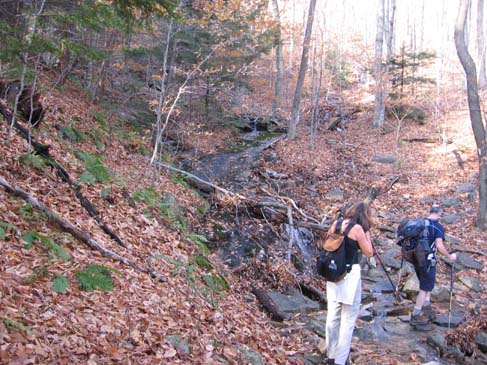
{"x":423,"y":313}
{"x":343,"y":297}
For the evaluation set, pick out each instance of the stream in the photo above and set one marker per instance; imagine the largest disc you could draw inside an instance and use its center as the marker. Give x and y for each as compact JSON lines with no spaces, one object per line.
{"x":383,"y":324}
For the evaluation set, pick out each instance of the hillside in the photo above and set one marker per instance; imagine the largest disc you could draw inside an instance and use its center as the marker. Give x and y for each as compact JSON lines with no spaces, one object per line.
{"x":189,"y":318}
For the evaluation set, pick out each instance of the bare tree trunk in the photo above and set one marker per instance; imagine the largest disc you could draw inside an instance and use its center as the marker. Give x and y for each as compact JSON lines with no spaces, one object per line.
{"x":31,"y":30}
{"x":276,"y":105}
{"x":474,"y":109}
{"x":379,"y":92}
{"x":291,"y":134}
{"x":481,"y":43}
{"x":317,"y":77}
{"x":162,"y":96}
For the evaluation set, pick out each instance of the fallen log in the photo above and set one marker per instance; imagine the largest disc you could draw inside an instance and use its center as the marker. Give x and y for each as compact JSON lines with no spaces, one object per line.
{"x":268,"y":304}
{"x":74,"y":231}
{"x":43,"y":150}
{"x":312,"y":292}
{"x":425,"y":140}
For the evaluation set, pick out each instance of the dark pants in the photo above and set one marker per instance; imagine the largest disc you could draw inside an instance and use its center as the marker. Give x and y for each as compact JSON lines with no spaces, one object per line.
{"x":426,"y":276}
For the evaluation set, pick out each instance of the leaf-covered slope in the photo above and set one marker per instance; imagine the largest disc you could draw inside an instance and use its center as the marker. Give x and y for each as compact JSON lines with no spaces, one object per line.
{"x":139,"y":320}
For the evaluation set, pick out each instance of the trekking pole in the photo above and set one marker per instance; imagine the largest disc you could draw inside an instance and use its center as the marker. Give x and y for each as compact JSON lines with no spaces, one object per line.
{"x":400,"y":273}
{"x":451,"y":292}
{"x":395,"y":293}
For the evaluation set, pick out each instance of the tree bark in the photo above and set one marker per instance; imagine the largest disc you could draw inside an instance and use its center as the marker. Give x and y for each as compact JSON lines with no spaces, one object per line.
{"x":276,"y":105}
{"x":481,"y":43}
{"x":379,"y":93}
{"x":268,"y":304}
{"x":302,"y":73}
{"x":474,"y":110}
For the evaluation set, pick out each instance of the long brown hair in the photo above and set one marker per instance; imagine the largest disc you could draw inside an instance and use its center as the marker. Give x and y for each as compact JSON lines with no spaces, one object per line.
{"x":360,"y":213}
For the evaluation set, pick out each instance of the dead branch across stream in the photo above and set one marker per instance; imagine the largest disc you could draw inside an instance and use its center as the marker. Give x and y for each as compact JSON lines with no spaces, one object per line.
{"x":74,"y":231}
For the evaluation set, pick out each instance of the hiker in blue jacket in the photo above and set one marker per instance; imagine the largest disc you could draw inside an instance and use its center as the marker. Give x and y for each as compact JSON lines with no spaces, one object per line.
{"x":344,"y":297}
{"x":423,"y":313}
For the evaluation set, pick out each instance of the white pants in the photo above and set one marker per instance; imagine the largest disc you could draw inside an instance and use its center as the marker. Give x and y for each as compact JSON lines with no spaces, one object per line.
{"x":341,"y":317}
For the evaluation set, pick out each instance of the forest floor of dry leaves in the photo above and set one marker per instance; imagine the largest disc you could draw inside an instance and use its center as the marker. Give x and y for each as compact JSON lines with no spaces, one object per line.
{"x":183,"y":320}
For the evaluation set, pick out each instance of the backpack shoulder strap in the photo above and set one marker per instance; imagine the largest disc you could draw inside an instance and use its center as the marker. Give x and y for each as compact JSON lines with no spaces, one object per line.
{"x":348,"y":229}
{"x":338,"y":226}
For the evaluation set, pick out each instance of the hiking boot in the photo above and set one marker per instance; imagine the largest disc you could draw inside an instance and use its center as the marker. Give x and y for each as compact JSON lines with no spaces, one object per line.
{"x":429,"y":312}
{"x":420,"y":322}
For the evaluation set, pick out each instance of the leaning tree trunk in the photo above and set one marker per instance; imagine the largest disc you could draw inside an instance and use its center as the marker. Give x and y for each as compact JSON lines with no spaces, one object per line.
{"x":379,"y":92}
{"x":474,"y":109}
{"x":291,"y":134}
{"x":279,"y":67}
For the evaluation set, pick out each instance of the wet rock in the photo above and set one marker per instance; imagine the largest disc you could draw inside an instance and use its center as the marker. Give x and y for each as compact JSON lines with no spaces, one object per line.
{"x":312,"y":359}
{"x":397,"y":327}
{"x":466,"y":188}
{"x":317,"y":325}
{"x":295,"y":303}
{"x":372,"y":331}
{"x":456,"y":318}
{"x":335,"y":195}
{"x":440,"y":294}
{"x":438,"y":343}
{"x":375,"y":274}
{"x":252,"y":356}
{"x":472,"y":283}
{"x":392,"y":258}
{"x":466,"y":261}
{"x":179,"y":343}
{"x":451,"y":202}
{"x":450,"y":218}
{"x":274,"y":174}
{"x":383,"y":286}
{"x":169,"y":199}
{"x":394,"y":311}
{"x":481,"y":341}
{"x":385,"y":159}
{"x":383,"y":242}
{"x":411,"y":286}
{"x":243,"y":177}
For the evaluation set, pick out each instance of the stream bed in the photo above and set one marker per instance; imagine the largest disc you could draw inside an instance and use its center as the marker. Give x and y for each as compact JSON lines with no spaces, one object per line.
{"x":383,"y":325}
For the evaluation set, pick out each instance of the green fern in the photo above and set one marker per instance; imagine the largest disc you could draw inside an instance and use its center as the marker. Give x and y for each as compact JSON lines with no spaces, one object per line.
{"x":26,"y":211}
{"x":95,"y":166}
{"x":95,"y":277}
{"x":33,"y":160}
{"x":148,"y":195}
{"x":179,"y":179}
{"x":200,"y":241}
{"x":216,"y":283}
{"x":72,"y":134}
{"x":10,"y":323}
{"x":4,"y":227}
{"x":54,"y":249}
{"x":60,"y":284}
{"x":202,"y":261}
